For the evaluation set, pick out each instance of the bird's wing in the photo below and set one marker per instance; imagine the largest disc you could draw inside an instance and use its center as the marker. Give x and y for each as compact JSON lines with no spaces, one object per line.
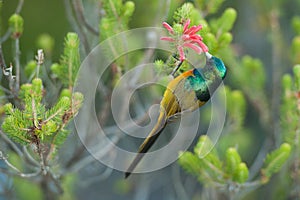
{"x":174,"y":94}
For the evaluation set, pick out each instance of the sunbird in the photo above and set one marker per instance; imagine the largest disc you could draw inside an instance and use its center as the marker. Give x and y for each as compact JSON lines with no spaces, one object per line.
{"x":185,"y":93}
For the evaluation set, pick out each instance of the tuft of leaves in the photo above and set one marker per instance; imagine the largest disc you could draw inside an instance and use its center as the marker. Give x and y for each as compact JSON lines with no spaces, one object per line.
{"x":209,"y":6}
{"x":290,"y":110}
{"x":224,"y":23}
{"x":206,"y":165}
{"x":116,"y":17}
{"x":233,"y":159}
{"x":34,"y":123}
{"x":207,"y":169}
{"x":183,"y":13}
{"x":236,"y":107}
{"x":275,"y":160}
{"x":66,"y":70}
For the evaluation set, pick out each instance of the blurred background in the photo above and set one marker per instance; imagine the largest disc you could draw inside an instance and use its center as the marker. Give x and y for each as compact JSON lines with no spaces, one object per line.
{"x":253,"y":35}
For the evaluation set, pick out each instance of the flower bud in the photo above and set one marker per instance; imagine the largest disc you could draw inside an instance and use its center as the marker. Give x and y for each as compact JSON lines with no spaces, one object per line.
{"x":287,"y":82}
{"x":296,"y":71}
{"x":296,"y":24}
{"x":241,"y":174}
{"x":129,"y":7}
{"x":30,"y":67}
{"x":16,"y":24}
{"x":233,"y":160}
{"x":45,"y":42}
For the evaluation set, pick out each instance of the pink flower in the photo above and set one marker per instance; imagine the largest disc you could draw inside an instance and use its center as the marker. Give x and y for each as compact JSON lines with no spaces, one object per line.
{"x":189,"y":39}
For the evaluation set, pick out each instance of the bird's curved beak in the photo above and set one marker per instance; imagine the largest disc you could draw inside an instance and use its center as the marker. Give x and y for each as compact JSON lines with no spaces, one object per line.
{"x":208,"y":55}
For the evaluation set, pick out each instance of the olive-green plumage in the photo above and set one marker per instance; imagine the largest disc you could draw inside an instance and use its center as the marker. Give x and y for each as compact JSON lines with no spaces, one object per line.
{"x":186,"y":92}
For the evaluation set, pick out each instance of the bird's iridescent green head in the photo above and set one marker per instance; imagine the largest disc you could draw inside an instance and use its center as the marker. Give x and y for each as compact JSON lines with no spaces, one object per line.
{"x":217,"y":64}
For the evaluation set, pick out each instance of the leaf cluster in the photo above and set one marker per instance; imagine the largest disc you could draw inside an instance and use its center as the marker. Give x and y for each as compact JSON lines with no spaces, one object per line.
{"x":66,"y":70}
{"x":34,"y":123}
{"x":116,"y":17}
{"x":211,"y":170}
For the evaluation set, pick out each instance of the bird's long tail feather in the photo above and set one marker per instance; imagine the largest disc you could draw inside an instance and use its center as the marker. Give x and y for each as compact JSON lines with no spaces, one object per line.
{"x":148,"y":142}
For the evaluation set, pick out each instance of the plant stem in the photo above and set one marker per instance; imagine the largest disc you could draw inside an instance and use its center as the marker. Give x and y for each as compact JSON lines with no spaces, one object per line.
{"x":16,"y":170}
{"x":48,"y":192}
{"x":29,"y":158}
{"x":19,"y":7}
{"x":80,"y":31}
{"x":176,"y":68}
{"x":17,"y":59}
{"x":178,"y":186}
{"x":79,"y":12}
{"x":76,"y":26}
{"x":11,"y":144}
{"x":2,"y":61}
{"x":98,"y":153}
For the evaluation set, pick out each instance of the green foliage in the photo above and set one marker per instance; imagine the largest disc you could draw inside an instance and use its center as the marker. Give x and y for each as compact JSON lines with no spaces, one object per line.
{"x":190,"y":162}
{"x":159,"y":65}
{"x":239,"y":137}
{"x":68,"y":185}
{"x":236,"y":107}
{"x":290,"y":108}
{"x":122,"y":187}
{"x":183,"y":13}
{"x":34,"y":123}
{"x":30,"y":68}
{"x":209,"y":169}
{"x":224,"y":23}
{"x":249,"y":76}
{"x":218,"y":37}
{"x":241,"y":173}
{"x":235,"y":133}
{"x":225,"y":39}
{"x":210,"y":162}
{"x":45,"y":42}
{"x":211,"y":41}
{"x":253,"y":72}
{"x":58,"y":69}
{"x":66,"y":70}
{"x":16,"y":24}
{"x":275,"y":160}
{"x":116,"y":17}
{"x":203,"y":147}
{"x":77,"y":100}
{"x":287,"y":83}
{"x":295,"y":50}
{"x":31,"y":119}
{"x":209,"y":6}
{"x":296,"y":24}
{"x":65,"y":93}
{"x":296,"y":71}
{"x":233,"y":160}
{"x":24,"y":189}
